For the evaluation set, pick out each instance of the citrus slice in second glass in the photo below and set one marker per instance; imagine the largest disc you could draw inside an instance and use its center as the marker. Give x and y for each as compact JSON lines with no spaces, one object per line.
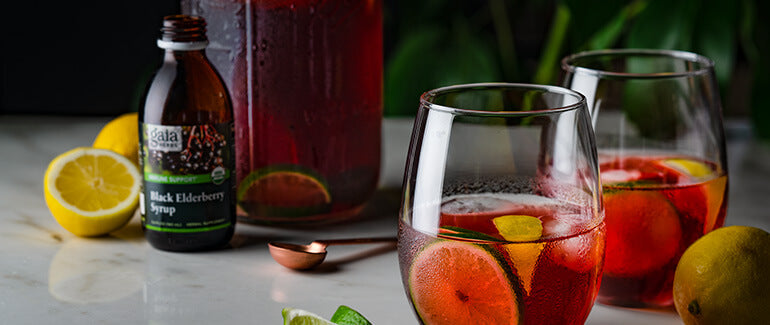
{"x":690,"y":167}
{"x":643,"y":232}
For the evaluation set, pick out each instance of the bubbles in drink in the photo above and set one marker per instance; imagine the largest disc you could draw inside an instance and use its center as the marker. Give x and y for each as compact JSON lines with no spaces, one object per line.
{"x":476,"y":212}
{"x":475,"y":203}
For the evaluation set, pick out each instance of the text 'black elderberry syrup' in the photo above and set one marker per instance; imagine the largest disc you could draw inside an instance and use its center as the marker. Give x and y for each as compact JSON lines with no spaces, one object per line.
{"x":186,"y":145}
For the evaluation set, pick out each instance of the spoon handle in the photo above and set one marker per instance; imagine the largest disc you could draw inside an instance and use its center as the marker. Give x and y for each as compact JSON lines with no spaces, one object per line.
{"x":354,"y":241}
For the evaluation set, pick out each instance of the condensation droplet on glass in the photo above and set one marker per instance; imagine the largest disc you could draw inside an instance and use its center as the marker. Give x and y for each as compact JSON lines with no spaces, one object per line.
{"x":263,"y":45}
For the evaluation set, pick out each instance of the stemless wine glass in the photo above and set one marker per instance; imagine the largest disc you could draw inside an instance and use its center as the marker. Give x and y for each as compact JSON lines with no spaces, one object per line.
{"x":501,"y":218}
{"x":658,"y":124}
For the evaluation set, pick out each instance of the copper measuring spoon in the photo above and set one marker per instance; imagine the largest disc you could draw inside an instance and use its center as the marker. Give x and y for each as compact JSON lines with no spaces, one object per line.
{"x":304,"y":257}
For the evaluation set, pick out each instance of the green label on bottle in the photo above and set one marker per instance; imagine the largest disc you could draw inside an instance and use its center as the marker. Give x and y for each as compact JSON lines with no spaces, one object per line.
{"x":188,"y":181}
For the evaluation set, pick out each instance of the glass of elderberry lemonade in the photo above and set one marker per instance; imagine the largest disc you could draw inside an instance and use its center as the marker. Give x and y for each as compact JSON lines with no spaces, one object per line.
{"x":659,"y":134}
{"x":501,"y":219}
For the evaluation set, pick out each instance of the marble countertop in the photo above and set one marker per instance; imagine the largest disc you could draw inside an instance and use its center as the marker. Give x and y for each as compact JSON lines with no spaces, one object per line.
{"x":48,"y":275}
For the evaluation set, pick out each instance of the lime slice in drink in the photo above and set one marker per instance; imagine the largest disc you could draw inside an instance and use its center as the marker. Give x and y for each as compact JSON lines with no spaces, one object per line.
{"x":293,"y":316}
{"x":348,"y":316}
{"x":284,"y":190}
{"x":465,"y":283}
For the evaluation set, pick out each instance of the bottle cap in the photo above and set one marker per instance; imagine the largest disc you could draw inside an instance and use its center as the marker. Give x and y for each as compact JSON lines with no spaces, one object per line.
{"x":183,"y":33}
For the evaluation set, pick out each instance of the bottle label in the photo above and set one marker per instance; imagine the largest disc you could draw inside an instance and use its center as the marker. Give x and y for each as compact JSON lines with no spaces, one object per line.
{"x":188,"y":181}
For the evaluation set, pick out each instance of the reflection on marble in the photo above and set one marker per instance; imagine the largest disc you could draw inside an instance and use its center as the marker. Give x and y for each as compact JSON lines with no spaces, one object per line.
{"x":96,"y":270}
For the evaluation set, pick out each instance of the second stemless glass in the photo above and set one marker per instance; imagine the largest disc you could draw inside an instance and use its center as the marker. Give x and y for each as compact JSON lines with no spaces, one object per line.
{"x":501,"y":218}
{"x":658,"y":123}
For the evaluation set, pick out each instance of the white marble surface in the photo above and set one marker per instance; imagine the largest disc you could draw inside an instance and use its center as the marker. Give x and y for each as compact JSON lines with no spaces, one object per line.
{"x":48,"y":276}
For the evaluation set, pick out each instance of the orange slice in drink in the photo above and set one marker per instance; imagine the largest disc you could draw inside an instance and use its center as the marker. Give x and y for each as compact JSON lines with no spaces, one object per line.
{"x":715,"y":195}
{"x":697,"y":201}
{"x":643,"y":232}
{"x":462,"y":283}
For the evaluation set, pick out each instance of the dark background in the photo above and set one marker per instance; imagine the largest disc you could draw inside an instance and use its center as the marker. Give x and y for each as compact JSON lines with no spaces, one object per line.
{"x":96,"y":57}
{"x":79,"y":58}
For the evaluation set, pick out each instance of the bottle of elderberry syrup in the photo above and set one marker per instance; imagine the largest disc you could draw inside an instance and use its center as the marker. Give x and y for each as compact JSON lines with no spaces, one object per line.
{"x":186,"y":145}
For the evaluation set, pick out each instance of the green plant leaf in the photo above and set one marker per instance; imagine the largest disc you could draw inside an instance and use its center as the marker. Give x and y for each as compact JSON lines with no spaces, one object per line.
{"x":749,"y":23}
{"x":651,"y":106}
{"x":664,"y":24}
{"x":610,"y":33}
{"x":760,"y":102}
{"x":505,"y":39}
{"x":591,"y":17}
{"x":348,"y":316}
{"x":402,"y":82}
{"x":431,"y":57}
{"x":549,"y":60}
{"x":715,"y":36}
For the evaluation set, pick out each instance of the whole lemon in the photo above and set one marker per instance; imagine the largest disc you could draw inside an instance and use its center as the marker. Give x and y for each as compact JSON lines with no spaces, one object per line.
{"x":122,"y":136}
{"x":724,"y":278}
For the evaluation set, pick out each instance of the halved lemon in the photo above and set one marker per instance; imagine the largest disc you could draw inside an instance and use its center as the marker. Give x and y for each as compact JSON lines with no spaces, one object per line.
{"x":90,"y":191}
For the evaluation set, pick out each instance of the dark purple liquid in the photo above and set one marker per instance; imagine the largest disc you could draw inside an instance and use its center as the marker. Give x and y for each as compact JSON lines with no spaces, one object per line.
{"x":306,"y":83}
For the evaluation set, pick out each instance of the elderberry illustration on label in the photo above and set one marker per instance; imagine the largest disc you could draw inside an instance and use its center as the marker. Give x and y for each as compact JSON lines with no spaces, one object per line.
{"x":188,"y":183}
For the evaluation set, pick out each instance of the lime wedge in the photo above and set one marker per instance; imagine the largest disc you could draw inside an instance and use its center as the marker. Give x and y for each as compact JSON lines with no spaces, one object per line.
{"x":293,"y":316}
{"x":347,"y":316}
{"x":690,"y":167}
{"x":519,"y":227}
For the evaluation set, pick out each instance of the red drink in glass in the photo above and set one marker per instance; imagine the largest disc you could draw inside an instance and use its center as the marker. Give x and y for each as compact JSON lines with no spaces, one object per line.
{"x":469,"y":274}
{"x":655,"y":207}
{"x":306,"y":83}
